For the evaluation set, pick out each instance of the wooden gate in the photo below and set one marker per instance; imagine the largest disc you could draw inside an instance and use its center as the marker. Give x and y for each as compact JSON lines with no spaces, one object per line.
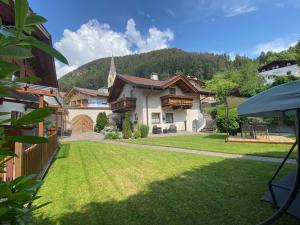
{"x":81,"y":124}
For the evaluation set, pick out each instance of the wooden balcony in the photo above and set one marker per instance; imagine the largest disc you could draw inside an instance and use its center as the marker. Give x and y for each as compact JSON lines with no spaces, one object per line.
{"x":177,"y":101}
{"x":124,"y":104}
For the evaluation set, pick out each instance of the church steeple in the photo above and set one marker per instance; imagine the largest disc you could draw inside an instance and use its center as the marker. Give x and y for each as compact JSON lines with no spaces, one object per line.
{"x":112,"y":73}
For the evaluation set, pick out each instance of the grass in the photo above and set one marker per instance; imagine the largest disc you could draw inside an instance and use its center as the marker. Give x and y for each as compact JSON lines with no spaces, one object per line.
{"x":98,"y":183}
{"x":216,"y":143}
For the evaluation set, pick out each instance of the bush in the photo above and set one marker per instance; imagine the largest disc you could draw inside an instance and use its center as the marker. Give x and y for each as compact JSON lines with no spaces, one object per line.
{"x":144,"y":131}
{"x":112,"y":135}
{"x":101,"y":122}
{"x":138,"y":132}
{"x":221,"y":120}
{"x":127,"y":133}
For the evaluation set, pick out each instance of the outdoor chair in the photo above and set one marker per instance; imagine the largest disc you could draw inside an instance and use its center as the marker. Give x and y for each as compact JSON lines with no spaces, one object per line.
{"x":247,"y":129}
{"x":166,"y":131}
{"x":262,"y":129}
{"x":156,"y":130}
{"x":172,"y":129}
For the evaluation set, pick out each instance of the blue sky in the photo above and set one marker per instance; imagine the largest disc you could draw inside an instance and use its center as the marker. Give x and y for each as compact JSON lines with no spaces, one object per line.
{"x":87,"y":30}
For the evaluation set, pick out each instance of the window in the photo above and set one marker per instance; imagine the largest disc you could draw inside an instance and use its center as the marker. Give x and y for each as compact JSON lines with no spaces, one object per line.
{"x":136,"y":116}
{"x":169,"y":118}
{"x":172,"y":91}
{"x":155,"y":118}
{"x":289,"y":73}
{"x":131,"y":93}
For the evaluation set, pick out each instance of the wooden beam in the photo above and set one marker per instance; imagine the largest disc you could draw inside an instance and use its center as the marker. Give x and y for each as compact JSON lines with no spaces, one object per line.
{"x":41,"y":124}
{"x":37,"y":91}
{"x":54,"y":106}
{"x":56,"y":121}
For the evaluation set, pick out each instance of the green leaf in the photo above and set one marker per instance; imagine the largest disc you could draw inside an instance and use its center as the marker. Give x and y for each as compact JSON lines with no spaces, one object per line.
{"x":27,"y":139}
{"x":21,"y":10}
{"x":5,"y":121}
{"x":34,"y":19}
{"x":4,"y":113}
{"x":7,"y":153}
{"x":46,"y":48}
{"x":16,"y":52}
{"x":7,"y":68}
{"x":5,"y":2}
{"x":33,"y":117}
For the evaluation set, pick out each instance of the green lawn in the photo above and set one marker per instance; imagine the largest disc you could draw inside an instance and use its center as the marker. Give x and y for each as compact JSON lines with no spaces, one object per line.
{"x":96,"y":183}
{"x":216,"y":143}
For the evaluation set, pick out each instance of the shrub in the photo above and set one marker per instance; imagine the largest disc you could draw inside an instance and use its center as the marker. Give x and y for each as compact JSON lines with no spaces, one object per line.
{"x":112,"y":135}
{"x":221,"y":120}
{"x":138,"y":132}
{"x":101,"y":122}
{"x":127,"y":133}
{"x":144,"y":131}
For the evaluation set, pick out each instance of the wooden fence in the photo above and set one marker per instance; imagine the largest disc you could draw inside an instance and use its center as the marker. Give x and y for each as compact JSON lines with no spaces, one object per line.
{"x":34,"y":159}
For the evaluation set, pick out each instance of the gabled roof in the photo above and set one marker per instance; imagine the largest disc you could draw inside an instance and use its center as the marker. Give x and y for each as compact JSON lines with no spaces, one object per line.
{"x":121,"y":80}
{"x":101,"y":92}
{"x":280,"y":63}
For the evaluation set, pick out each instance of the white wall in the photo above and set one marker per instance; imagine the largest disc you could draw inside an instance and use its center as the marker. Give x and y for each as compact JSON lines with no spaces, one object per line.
{"x":271,"y":74}
{"x":92,"y":113}
{"x":154,"y":106}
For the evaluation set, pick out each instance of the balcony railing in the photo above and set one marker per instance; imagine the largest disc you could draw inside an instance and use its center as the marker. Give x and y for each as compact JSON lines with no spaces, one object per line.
{"x":177,"y":101}
{"x":124,"y":104}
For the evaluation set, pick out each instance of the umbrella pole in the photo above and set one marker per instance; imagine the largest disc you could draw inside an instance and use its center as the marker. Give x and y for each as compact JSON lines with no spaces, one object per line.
{"x":295,"y":188}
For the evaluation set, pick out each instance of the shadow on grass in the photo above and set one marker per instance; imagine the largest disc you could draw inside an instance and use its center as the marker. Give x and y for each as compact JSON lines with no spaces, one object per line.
{"x":222,"y":193}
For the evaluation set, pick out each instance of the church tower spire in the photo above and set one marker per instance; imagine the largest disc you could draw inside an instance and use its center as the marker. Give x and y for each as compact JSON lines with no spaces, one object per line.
{"x":112,"y":73}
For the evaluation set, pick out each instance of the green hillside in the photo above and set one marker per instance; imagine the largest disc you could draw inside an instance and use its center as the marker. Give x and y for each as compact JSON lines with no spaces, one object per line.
{"x":165,"y":62}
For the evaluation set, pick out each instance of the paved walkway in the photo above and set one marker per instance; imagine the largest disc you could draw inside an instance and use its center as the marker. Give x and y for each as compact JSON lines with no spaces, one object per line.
{"x":100,"y":138}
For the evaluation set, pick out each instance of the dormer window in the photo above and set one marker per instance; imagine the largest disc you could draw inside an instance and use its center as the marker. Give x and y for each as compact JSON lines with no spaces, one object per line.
{"x":288,"y":64}
{"x":172,"y":91}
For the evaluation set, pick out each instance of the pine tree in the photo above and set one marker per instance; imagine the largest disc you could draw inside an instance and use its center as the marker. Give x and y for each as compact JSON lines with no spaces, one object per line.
{"x":102,"y":121}
{"x":126,"y":128}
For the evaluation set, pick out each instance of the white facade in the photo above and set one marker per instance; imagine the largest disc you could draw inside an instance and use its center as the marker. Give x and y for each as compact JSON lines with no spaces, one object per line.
{"x":148,"y":102}
{"x":270,"y":75}
{"x":90,"y":112}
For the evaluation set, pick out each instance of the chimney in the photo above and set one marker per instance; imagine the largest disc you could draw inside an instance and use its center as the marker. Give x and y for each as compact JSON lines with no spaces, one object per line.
{"x":154,"y":76}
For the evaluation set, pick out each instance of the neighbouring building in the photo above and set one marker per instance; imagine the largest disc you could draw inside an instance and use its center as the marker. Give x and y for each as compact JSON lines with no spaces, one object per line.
{"x":279,"y":68}
{"x":175,"y":101}
{"x":25,"y":97}
{"x":83,"y":105}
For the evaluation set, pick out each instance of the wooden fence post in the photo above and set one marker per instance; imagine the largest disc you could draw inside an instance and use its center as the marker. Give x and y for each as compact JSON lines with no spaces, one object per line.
{"x":19,"y":164}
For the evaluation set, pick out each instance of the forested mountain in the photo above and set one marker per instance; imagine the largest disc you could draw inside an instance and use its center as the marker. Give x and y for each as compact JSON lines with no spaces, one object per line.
{"x":168,"y":62}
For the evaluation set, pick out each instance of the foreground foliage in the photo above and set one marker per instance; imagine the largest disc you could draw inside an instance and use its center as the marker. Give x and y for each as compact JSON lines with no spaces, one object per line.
{"x":17,"y":43}
{"x":119,"y":185}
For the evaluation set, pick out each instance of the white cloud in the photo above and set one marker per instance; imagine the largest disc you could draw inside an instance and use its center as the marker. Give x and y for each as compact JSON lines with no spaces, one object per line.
{"x":170,"y":12}
{"x":276,"y":45}
{"x":239,"y":9}
{"x":94,"y":40}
